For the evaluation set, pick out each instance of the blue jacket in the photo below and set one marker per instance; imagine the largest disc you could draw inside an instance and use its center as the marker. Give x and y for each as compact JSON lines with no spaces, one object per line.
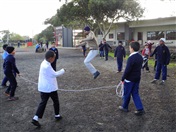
{"x":133,"y":68}
{"x":162,"y":54}
{"x":120,"y":52}
{"x":56,"y":52}
{"x":9,"y":65}
{"x":5,"y":54}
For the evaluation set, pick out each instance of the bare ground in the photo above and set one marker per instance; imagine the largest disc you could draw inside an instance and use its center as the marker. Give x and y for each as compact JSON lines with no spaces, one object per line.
{"x":86,"y":111}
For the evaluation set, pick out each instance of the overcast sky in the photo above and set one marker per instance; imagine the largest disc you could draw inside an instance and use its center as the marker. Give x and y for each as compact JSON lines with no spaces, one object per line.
{"x":26,"y":17}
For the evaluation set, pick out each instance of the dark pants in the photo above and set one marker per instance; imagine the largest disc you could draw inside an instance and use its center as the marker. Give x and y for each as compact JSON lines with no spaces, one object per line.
{"x":106,"y":55}
{"x":161,"y":67}
{"x":84,"y":53}
{"x":155,"y":65}
{"x":13,"y":84}
{"x":4,"y":81}
{"x":44,"y":99}
{"x":54,"y":65}
{"x":119,"y":64}
{"x":131,"y":89}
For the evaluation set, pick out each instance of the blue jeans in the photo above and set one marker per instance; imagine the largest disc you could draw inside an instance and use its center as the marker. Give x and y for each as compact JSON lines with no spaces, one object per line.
{"x":101,"y":53}
{"x":161,"y":67}
{"x":132,"y":89}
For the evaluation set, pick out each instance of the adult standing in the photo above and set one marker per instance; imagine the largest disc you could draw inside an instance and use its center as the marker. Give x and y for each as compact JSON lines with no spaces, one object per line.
{"x":119,"y":54}
{"x":163,"y":59}
{"x":93,"y":47}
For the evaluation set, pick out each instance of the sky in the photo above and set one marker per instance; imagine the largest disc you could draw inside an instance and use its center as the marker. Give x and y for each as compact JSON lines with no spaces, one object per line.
{"x":26,"y":17}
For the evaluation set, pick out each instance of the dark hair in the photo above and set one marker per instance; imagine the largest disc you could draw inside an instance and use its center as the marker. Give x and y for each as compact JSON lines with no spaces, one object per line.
{"x":10,"y":49}
{"x":49,"y":54}
{"x":135,"y":45}
{"x":4,"y":46}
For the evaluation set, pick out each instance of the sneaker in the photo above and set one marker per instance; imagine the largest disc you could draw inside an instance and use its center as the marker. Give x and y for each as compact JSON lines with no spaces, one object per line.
{"x":35,"y":123}
{"x":139,"y":112}
{"x":58,"y":118}
{"x":123,"y":109}
{"x":12,"y":98}
{"x":96,"y":74}
{"x":6,"y":94}
{"x":162,"y":83}
{"x":154,"y":81}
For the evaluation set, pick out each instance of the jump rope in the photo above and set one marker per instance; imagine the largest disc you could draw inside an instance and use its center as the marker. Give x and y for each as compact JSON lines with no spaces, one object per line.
{"x":119,"y":88}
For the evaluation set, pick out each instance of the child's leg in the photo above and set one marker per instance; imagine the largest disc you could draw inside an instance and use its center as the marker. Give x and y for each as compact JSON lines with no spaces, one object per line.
{"x":119,"y":61}
{"x":13,"y":85}
{"x":127,"y":94}
{"x":54,"y":97}
{"x":146,"y":66}
{"x":136,"y":97}
{"x":106,"y":55}
{"x":42,"y":105}
{"x":4,"y":81}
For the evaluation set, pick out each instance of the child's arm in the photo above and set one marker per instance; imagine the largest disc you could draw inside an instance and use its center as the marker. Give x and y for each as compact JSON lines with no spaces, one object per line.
{"x":127,"y":69}
{"x":54,"y":74}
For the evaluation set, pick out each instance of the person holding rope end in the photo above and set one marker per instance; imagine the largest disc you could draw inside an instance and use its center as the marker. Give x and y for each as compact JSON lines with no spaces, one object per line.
{"x":47,"y":86}
{"x":93,"y":47}
{"x":131,"y":79}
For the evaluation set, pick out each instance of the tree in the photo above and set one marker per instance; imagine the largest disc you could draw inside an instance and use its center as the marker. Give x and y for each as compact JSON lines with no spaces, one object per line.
{"x":16,"y":37}
{"x":105,"y":13}
{"x":45,"y":35}
{"x":96,"y":13}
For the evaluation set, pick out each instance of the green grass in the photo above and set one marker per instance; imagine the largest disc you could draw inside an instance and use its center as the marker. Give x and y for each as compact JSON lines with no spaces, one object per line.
{"x":151,"y":61}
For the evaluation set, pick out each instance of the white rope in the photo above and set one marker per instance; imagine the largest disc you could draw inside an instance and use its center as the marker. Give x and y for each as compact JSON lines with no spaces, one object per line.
{"x":82,"y":90}
{"x":120,"y":90}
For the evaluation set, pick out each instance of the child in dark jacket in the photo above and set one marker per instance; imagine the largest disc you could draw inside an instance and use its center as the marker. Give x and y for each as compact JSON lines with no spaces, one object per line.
{"x":119,"y":54}
{"x":131,"y":79}
{"x":106,"y":47}
{"x":55,"y":50}
{"x":101,"y":50}
{"x":9,"y":67}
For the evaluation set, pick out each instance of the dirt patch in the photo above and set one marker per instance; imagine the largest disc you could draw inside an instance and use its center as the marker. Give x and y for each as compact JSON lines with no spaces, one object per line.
{"x":87,"y":111}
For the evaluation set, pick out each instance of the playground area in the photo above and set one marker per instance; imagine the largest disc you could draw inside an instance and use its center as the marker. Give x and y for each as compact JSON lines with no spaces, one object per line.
{"x":87,"y":104}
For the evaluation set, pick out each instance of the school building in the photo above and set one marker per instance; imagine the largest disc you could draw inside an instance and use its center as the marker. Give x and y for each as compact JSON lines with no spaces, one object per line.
{"x":144,"y":30}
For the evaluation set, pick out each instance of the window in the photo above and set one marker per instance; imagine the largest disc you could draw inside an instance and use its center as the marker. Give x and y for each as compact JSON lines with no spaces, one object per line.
{"x":111,"y":36}
{"x":140,"y":35}
{"x":155,"y":35}
{"x":121,"y":36}
{"x":171,"y":35}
